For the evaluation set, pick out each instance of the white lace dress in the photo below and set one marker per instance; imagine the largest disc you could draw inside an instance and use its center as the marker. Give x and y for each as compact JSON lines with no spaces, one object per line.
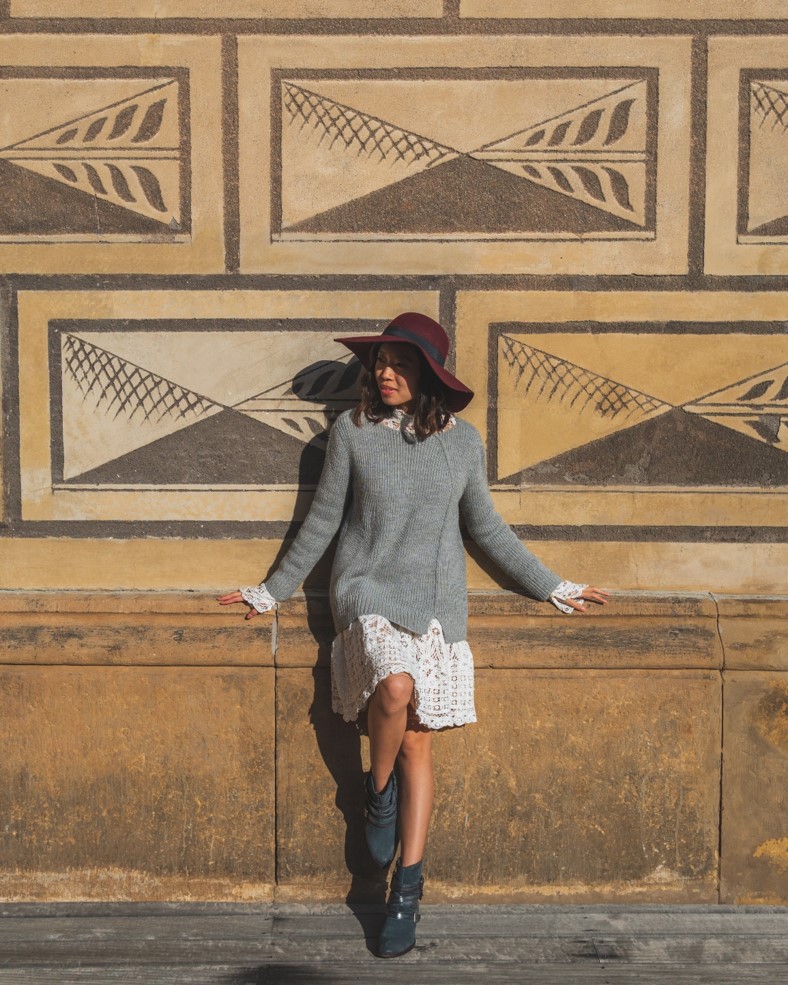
{"x":372,"y":648}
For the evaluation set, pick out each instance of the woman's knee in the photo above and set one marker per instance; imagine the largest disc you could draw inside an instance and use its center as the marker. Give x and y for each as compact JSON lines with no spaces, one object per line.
{"x":394,"y":692}
{"x":416,"y":746}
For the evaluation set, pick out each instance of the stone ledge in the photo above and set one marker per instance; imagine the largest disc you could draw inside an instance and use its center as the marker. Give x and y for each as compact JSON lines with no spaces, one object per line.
{"x":138,"y":628}
{"x":114,"y":602}
{"x":492,"y":601}
{"x":507,"y":630}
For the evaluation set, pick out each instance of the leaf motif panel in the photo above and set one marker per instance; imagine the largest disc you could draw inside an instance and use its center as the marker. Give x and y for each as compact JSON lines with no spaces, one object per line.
{"x":127,"y":157}
{"x":746,"y":208}
{"x":508,"y":155}
{"x":382,"y":159}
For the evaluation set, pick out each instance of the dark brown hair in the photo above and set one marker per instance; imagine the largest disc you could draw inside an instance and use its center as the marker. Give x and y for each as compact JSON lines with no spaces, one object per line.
{"x":430,"y":413}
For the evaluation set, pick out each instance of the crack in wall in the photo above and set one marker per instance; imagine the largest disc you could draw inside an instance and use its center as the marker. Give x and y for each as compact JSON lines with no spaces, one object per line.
{"x":715,"y":599}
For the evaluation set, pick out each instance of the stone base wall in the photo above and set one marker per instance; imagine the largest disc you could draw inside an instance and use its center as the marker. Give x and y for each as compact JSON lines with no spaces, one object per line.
{"x":158,"y":747}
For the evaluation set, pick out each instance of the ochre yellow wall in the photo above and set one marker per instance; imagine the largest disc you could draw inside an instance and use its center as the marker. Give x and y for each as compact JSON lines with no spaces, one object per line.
{"x":192,"y":207}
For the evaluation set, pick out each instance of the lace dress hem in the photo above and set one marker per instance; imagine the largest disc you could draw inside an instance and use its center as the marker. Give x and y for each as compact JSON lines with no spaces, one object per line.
{"x":433,"y":722}
{"x":372,"y":648}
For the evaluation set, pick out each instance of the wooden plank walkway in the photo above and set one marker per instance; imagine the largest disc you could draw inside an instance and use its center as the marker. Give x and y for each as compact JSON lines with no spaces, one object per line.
{"x":233,"y":944}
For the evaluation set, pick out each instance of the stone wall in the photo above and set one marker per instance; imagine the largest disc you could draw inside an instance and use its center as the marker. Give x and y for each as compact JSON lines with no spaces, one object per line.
{"x":158,"y":747}
{"x":193,"y":207}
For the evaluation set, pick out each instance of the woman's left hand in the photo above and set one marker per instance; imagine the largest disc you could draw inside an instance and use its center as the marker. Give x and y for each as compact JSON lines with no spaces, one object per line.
{"x":232,"y":597}
{"x":600,"y":596}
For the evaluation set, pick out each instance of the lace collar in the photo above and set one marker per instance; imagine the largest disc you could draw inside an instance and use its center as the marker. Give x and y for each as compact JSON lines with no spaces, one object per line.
{"x":402,"y":422}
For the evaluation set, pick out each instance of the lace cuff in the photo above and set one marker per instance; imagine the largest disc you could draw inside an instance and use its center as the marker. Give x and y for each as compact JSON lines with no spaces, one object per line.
{"x":259,"y":597}
{"x":566,"y":590}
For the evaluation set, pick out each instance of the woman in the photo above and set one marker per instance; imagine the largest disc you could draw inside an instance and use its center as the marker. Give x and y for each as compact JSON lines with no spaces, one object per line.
{"x":400,"y":473}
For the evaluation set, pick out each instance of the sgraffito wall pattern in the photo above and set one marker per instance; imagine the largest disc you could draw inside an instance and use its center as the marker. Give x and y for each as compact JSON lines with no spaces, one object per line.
{"x":197,"y":198}
{"x":599,"y":222}
{"x":377,"y":158}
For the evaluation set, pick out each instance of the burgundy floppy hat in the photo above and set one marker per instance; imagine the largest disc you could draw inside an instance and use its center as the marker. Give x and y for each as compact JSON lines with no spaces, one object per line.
{"x":431,"y":340}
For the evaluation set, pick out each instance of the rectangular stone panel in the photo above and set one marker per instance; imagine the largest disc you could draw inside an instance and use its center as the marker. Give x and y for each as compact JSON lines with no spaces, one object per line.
{"x":754,"y":632}
{"x":634,"y":409}
{"x":574,"y":785}
{"x":614,"y":9}
{"x":180,"y":405}
{"x":581,"y":785}
{"x":110,"y":154}
{"x":137,"y":783}
{"x":755,"y":788}
{"x":103,"y":9}
{"x":747,"y":144}
{"x":350,"y":162}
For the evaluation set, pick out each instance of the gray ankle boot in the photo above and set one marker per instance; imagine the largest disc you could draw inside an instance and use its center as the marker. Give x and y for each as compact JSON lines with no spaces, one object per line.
{"x":398,"y":935}
{"x":380,"y":825}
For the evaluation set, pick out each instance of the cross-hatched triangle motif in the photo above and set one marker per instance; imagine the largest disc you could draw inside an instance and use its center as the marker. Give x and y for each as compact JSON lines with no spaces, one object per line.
{"x":766,"y":212}
{"x":572,"y":404}
{"x":121,"y":389}
{"x":770,"y":104}
{"x":333,"y":154}
{"x":128,"y":154}
{"x":111,"y":406}
{"x":548,"y":377}
{"x":358,"y":131}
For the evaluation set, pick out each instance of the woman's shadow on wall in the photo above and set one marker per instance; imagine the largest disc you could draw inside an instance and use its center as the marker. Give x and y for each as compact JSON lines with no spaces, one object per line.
{"x":338,"y":742}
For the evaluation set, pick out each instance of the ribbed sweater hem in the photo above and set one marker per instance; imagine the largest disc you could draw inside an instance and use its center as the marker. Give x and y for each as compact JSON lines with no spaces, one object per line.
{"x":415,"y":620}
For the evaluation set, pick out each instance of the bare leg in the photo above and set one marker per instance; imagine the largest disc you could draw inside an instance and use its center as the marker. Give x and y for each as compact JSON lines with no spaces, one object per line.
{"x":417,"y":785}
{"x":387,"y":716}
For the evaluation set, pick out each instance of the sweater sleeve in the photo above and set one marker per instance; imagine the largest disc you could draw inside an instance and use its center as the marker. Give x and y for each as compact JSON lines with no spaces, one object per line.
{"x":498,"y":540}
{"x":321,"y":522}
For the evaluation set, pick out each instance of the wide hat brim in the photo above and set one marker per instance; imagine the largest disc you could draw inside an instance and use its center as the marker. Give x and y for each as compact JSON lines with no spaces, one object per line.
{"x":458,"y":396}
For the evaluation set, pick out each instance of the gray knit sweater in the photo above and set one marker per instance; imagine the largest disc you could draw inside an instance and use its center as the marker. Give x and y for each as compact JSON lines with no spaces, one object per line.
{"x":400,"y":553}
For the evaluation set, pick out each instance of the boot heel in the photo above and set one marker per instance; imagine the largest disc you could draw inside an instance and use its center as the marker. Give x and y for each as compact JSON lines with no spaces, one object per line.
{"x":398,"y":935}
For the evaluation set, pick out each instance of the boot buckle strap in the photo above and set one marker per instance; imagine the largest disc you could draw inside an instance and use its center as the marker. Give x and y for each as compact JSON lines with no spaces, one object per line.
{"x":405,"y":897}
{"x":412,"y":917}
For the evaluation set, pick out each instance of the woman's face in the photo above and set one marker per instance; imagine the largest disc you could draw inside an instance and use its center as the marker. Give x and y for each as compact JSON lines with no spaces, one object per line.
{"x":397,"y":373}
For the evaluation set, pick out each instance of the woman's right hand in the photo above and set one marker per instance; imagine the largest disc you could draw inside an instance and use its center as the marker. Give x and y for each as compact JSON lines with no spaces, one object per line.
{"x":237,"y":597}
